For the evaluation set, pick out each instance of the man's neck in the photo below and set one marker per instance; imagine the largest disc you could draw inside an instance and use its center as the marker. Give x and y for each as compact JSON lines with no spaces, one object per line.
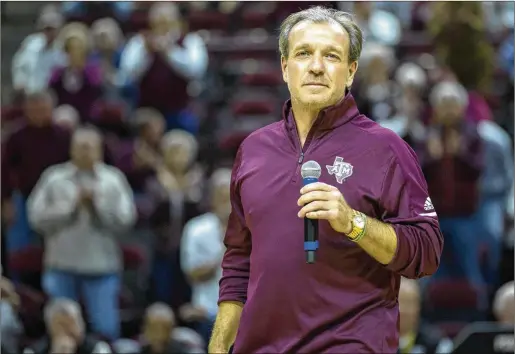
{"x":304,"y":119}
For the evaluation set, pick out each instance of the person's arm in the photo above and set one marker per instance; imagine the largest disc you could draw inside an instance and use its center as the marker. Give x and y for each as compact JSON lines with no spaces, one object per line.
{"x":134,"y":60}
{"x":115,"y":207}
{"x":408,"y":232}
{"x":21,"y":63}
{"x":46,"y":210}
{"x":236,"y":270}
{"x":191,"y":60}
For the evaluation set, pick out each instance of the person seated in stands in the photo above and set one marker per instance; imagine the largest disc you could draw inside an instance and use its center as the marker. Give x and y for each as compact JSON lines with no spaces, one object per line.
{"x":39,"y":54}
{"x":163,"y":62}
{"x":143,"y":157}
{"x":66,"y":332}
{"x":27,"y":153}
{"x":202,"y":251}
{"x":159,"y":323}
{"x":504,"y":304}
{"x":81,"y":207}
{"x":452,"y":162}
{"x":79,"y":83}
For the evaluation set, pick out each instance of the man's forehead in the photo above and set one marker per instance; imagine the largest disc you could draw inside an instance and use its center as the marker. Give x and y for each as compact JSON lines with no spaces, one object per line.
{"x":307,"y":33}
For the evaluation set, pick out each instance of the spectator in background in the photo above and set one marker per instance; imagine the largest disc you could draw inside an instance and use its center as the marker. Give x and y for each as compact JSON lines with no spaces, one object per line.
{"x":163,"y":62}
{"x":79,"y":83}
{"x":66,"y":332}
{"x":496,"y":184}
{"x":39,"y":54}
{"x":202,"y":251}
{"x":504,"y":304}
{"x":159,"y":324}
{"x":143,"y":156}
{"x":107,"y":49}
{"x":409,"y":105}
{"x":173,"y":197}
{"x":81,"y":207}
{"x":452,"y":162}
{"x":417,"y":337}
{"x":375,"y":91}
{"x":66,"y":117}
{"x":27,"y":153}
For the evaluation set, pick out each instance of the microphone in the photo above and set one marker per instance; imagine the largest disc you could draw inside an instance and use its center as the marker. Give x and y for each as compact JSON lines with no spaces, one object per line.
{"x":310,"y":172}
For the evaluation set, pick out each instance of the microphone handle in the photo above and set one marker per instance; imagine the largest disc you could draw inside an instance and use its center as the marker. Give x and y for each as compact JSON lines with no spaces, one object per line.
{"x":310,"y":239}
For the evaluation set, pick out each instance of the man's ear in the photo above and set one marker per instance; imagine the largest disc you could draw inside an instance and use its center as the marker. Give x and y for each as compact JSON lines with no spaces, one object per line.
{"x":353,"y":67}
{"x":284,"y":64}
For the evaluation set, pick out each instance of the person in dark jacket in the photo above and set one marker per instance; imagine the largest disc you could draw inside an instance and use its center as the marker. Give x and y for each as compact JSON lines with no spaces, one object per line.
{"x":66,"y":332}
{"x":376,"y":219}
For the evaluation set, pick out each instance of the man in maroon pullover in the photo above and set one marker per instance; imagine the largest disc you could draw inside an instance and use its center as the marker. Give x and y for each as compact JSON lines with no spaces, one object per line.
{"x":376,"y":220}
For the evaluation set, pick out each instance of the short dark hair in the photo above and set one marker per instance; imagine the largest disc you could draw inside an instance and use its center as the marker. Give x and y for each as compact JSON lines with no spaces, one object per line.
{"x":320,"y":14}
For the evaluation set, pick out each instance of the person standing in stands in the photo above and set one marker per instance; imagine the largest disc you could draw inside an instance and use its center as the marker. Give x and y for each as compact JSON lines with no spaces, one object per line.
{"x":81,"y":207}
{"x":376,"y":221}
{"x":28,"y":152}
{"x":162,"y":62}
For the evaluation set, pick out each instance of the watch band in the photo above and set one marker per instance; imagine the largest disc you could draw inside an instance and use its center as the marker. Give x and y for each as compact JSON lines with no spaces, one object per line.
{"x":357,"y":232}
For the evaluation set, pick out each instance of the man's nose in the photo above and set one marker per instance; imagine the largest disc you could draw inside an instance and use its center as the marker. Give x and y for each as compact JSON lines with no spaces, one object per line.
{"x":316,"y":65}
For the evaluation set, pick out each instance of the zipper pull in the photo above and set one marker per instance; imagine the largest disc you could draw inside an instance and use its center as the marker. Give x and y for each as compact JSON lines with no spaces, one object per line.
{"x":301,"y":158}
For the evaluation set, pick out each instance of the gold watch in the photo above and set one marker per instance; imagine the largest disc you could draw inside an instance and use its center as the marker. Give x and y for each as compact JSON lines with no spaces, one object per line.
{"x":359,"y":221}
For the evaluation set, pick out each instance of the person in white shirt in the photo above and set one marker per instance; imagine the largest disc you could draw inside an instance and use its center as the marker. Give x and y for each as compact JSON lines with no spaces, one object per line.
{"x":38,"y":55}
{"x":202,"y":250}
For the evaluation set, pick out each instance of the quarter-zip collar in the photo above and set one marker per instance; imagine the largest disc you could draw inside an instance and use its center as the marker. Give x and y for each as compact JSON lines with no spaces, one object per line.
{"x":327,"y":119}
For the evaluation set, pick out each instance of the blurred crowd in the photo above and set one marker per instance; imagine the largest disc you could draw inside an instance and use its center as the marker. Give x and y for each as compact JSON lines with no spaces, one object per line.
{"x":119,"y":135}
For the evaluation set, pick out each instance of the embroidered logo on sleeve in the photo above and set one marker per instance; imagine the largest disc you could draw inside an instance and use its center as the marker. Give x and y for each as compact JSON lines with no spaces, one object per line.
{"x":428,"y":206}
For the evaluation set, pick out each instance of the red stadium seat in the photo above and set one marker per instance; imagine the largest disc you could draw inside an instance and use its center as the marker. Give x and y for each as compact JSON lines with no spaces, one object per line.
{"x":232,"y":140}
{"x":268,"y":79}
{"x":209,"y":20}
{"x":10,"y":113}
{"x":452,"y":294}
{"x":452,"y":328}
{"x":248,"y":107}
{"x":27,"y":260}
{"x":133,"y":257}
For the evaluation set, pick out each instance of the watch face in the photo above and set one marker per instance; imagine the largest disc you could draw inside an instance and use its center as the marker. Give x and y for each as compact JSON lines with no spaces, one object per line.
{"x":359,"y":221}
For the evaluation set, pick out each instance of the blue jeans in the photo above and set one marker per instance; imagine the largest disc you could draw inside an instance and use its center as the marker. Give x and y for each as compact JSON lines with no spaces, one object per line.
{"x":463,"y":237}
{"x":99,"y":293}
{"x":20,"y":234}
{"x":491,"y":217}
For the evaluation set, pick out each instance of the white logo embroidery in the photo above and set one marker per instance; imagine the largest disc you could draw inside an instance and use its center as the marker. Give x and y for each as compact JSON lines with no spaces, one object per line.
{"x":428,"y":205}
{"x":340,"y":169}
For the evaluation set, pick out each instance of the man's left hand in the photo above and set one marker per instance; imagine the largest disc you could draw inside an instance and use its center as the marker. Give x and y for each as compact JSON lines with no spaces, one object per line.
{"x":325,"y":202}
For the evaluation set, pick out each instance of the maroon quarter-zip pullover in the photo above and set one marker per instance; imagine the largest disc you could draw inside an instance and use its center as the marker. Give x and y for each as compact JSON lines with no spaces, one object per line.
{"x":346,"y":302}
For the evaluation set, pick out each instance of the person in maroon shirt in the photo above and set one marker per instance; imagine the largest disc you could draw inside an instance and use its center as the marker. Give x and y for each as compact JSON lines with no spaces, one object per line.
{"x":27,"y":153}
{"x":376,"y":221}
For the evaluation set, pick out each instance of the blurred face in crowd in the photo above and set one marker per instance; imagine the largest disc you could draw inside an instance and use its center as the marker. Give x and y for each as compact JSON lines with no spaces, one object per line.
{"x":50,"y":33}
{"x":66,"y":117}
{"x":157,"y":330}
{"x":38,"y":109}
{"x":77,"y":52}
{"x":153,"y":131}
{"x":449,"y":111}
{"x":106,"y":34}
{"x":221,"y":196}
{"x":164,"y":17}
{"x":86,"y":149}
{"x":317,"y":69}
{"x":409,"y":306}
{"x":177,"y":157}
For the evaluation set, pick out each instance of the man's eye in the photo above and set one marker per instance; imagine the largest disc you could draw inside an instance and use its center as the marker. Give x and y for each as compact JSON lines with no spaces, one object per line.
{"x":332,"y":56}
{"x":302,"y":53}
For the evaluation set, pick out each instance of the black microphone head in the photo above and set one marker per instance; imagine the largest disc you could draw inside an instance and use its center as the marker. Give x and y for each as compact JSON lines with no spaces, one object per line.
{"x":311,"y":169}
